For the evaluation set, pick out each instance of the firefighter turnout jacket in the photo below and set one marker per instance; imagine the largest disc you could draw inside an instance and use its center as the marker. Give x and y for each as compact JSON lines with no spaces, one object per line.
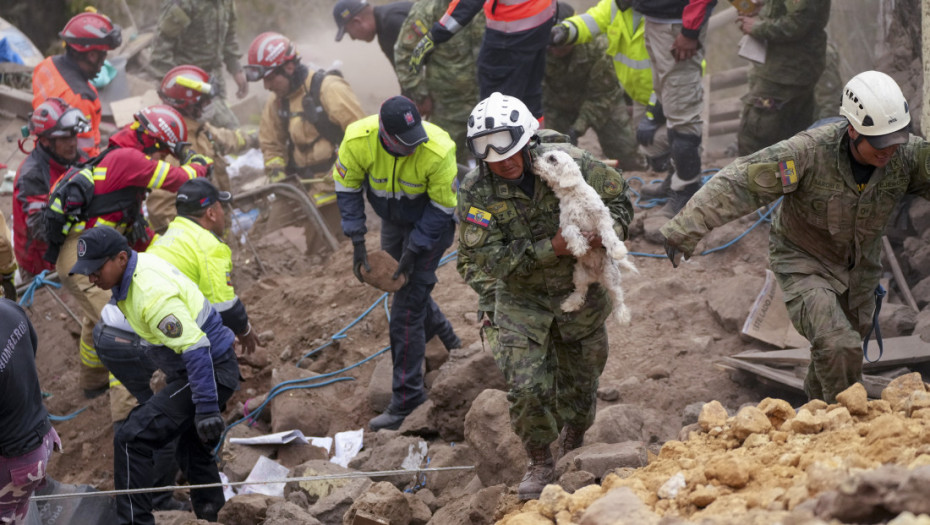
{"x":59,"y":76}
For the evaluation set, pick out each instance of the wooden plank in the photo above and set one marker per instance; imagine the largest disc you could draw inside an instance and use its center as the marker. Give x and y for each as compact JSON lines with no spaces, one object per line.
{"x":726,"y":109}
{"x":14,"y":101}
{"x":899,"y":351}
{"x":729,"y":78}
{"x":722,"y":128}
{"x":873,"y":384}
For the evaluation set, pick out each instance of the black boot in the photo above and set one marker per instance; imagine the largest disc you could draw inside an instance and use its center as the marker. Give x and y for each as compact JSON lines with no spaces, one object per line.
{"x":678,"y":198}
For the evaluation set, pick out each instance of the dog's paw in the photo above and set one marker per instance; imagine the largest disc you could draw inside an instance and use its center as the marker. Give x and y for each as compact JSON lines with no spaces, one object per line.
{"x":572,"y":303}
{"x":577,"y":245}
{"x":622,"y":315}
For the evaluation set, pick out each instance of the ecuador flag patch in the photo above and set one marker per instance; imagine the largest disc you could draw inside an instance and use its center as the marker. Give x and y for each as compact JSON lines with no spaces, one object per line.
{"x":479,"y":217}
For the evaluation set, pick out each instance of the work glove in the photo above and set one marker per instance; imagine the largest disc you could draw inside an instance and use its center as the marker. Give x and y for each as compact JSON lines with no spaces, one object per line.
{"x":674,"y":254}
{"x":9,"y":287}
{"x":561,"y":34}
{"x":421,"y":52}
{"x":203,"y":160}
{"x":181,"y":151}
{"x":359,"y":259}
{"x":573,"y":136}
{"x":277,"y":176}
{"x":210,"y":426}
{"x":649,"y":124}
{"x":405,"y":266}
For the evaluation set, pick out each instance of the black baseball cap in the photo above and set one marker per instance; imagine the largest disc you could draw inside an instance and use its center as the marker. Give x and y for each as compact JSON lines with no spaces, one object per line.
{"x":197,"y":194}
{"x":95,"y":247}
{"x":344,"y":11}
{"x":400,"y":118}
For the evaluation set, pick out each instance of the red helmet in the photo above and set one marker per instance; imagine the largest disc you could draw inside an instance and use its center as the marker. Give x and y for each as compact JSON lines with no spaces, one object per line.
{"x":267,"y":52}
{"x":91,"y":32}
{"x":55,"y":118}
{"x":164,"y":125}
{"x":185,"y":87}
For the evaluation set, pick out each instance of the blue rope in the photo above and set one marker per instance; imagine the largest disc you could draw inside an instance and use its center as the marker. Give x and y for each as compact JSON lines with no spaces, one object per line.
{"x":37,"y":282}
{"x":69,"y":417}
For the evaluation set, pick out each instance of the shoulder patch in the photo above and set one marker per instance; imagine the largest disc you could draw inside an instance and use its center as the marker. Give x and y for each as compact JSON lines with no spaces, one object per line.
{"x":171,"y":326}
{"x":764,"y":175}
{"x":789,"y":175}
{"x":473,"y":236}
{"x":497,"y":207}
{"x":611,"y":187}
{"x":479,"y":217}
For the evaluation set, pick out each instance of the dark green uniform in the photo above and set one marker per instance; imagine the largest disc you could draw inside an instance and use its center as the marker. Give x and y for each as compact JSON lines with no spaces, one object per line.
{"x":201,"y":33}
{"x":580,"y":91}
{"x":825,"y":242}
{"x":551,"y":359}
{"x":780,"y":101}
{"x":450,"y":78}
{"x":829,"y":89}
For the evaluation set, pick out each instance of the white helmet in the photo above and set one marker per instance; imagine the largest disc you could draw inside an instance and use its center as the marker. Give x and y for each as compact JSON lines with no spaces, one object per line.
{"x":499,"y":127}
{"x":876,"y":108}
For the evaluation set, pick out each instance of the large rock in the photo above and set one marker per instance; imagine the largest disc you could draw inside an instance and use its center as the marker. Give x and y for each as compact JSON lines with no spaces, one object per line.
{"x":287,"y":513}
{"x":922,"y":326}
{"x":475,"y":509}
{"x":388,"y":455}
{"x":329,"y":498}
{"x":238,"y":460}
{"x":919,"y":214}
{"x":855,"y":399}
{"x":379,"y":386}
{"x":443,"y":455}
{"x":749,"y":420}
{"x":619,"y":423}
{"x":499,"y":454}
{"x":897,"y":320}
{"x":601,"y":458}
{"x":246,"y":509}
{"x":382,"y":500}
{"x":620,"y":506}
{"x":729,"y":308}
{"x":877,"y":495}
{"x":289,"y":410}
{"x":730,"y":470}
{"x":436,"y":355}
{"x":295,"y":453}
{"x":899,"y":389}
{"x":460,"y":380}
{"x":712,"y":415}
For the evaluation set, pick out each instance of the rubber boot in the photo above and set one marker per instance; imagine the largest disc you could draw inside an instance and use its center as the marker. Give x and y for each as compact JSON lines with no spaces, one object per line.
{"x":539,"y":473}
{"x":686,"y":157}
{"x":658,"y":166}
{"x":678,"y":199}
{"x":388,"y":420}
{"x":569,"y":439}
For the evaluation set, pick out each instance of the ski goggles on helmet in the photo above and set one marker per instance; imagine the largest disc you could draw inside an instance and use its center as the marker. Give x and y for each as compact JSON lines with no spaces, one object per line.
{"x":112,"y":39}
{"x":254,"y":73}
{"x":501,"y":140}
{"x":71,"y":123}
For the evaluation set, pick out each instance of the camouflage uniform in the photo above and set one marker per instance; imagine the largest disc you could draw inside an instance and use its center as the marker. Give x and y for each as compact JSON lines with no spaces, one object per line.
{"x":551,"y":359}
{"x":201,"y":33}
{"x":825,"y":242}
{"x":450,"y":76}
{"x":780,"y":101}
{"x":580,"y":91}
{"x":208,"y":140}
{"x":829,"y":89}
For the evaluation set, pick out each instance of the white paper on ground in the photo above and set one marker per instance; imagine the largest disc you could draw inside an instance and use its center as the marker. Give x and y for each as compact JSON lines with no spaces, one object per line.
{"x":416,"y":453}
{"x":285,"y":437}
{"x":348,"y":445}
{"x":266,"y":470}
{"x":228,"y":491}
{"x":252,"y":159}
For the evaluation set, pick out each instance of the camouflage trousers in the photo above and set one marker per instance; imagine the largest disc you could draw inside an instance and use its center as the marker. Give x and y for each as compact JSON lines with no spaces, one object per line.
{"x":773,"y":112}
{"x":551,"y":384}
{"x":835,"y":326}
{"x":449,"y":113}
{"x":615,"y":135}
{"x":20,"y":476}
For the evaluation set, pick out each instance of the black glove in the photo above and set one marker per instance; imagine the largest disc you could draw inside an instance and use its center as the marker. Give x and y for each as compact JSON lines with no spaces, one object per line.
{"x":203,"y":160}
{"x":649,"y":124}
{"x":559,"y":34}
{"x":9,"y":287}
{"x":421,"y":52}
{"x":405,"y":266}
{"x":210,"y":426}
{"x":359,"y":259}
{"x":674,"y":254}
{"x":573,"y":136}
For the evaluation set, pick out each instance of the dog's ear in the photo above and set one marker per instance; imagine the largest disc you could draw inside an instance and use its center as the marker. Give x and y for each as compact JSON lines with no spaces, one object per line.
{"x":568,"y":180}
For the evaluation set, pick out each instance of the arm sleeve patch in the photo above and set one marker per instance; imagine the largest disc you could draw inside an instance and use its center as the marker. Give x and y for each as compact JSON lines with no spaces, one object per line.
{"x":171,"y":326}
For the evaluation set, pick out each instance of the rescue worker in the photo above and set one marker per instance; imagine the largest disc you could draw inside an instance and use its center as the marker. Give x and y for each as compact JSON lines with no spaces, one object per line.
{"x":306,"y":118}
{"x":406,"y":169}
{"x":517,"y":260}
{"x":444,"y":90}
{"x":581,"y":92}
{"x":110,"y":193}
{"x":512,"y":58}
{"x":195,"y":351}
{"x":191,"y":91}
{"x":626,"y":47}
{"x":675,"y":32}
{"x":202,"y":34}
{"x":363,"y":21}
{"x":28,"y":438}
{"x":55,"y":126}
{"x":87,"y":37}
{"x":840,"y":183}
{"x":781,"y":100}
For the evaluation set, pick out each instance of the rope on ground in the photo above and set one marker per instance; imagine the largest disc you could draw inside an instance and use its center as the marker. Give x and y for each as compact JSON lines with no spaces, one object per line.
{"x":37,"y":282}
{"x":347,"y":475}
{"x":69,"y":417}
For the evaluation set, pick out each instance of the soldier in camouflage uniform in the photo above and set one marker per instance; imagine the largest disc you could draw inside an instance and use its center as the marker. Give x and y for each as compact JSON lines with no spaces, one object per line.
{"x":580,"y":91}
{"x":511,"y":251}
{"x":446,"y":89}
{"x":840,"y":184}
{"x":780,"y":101}
{"x":202,"y":33}
{"x":829,"y":88}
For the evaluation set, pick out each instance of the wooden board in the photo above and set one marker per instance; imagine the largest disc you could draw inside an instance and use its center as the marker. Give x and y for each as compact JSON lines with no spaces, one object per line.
{"x":899,"y":351}
{"x":794,"y":377}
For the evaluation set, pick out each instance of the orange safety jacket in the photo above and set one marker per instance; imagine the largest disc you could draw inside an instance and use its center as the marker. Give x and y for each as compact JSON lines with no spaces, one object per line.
{"x":504,"y":16}
{"x":59,"y":76}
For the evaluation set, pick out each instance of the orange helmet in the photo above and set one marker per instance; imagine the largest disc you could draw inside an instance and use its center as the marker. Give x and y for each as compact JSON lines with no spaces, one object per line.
{"x":54,"y":118}
{"x":267,"y":52}
{"x":91,"y":32}
{"x":185,"y":87}
{"x":164,"y":125}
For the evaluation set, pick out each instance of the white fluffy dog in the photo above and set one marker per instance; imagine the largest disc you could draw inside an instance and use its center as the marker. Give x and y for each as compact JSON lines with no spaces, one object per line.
{"x":582,"y":210}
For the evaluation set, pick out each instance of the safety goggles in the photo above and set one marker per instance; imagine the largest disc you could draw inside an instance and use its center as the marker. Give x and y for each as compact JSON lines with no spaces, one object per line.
{"x":497,"y":139}
{"x":112,"y":39}
{"x":254,"y":73}
{"x":70,"y":124}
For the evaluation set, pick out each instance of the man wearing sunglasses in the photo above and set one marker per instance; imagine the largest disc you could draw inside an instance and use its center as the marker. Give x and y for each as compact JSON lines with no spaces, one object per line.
{"x":406,"y":168}
{"x":88,"y":37}
{"x":306,"y":118}
{"x":511,"y":251}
